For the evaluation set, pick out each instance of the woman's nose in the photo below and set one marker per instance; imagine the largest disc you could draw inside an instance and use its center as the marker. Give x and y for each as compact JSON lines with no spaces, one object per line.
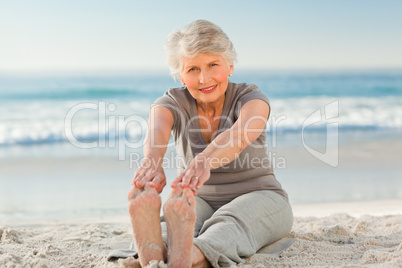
{"x":204,"y":77}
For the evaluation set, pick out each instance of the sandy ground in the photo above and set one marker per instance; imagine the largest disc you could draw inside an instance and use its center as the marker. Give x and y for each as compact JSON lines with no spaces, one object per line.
{"x":357,"y":234}
{"x":369,"y":235}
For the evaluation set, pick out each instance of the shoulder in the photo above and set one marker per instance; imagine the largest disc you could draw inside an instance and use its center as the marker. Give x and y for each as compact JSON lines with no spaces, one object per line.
{"x":243,"y":92}
{"x":176,"y":91}
{"x":178,"y":94}
{"x":242,"y":86}
{"x":179,"y":102}
{"x":174,"y":96}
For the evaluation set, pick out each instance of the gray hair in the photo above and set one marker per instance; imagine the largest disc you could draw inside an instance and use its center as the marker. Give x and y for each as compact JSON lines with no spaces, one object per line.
{"x":198,"y":37}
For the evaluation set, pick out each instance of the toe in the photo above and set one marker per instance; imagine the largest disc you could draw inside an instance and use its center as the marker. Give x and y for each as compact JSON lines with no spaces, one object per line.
{"x":189,"y":196}
{"x":177,"y":191}
{"x":133,"y":193}
{"x":149,"y":188}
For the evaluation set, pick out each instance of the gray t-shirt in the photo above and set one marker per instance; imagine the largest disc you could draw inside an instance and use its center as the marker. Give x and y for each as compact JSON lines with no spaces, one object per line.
{"x":250,"y":171}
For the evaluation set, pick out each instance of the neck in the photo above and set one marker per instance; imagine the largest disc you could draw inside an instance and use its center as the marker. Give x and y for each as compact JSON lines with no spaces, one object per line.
{"x":211,"y":108}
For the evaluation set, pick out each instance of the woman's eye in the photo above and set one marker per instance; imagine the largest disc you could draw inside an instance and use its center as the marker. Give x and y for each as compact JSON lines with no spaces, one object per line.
{"x":192,"y":69}
{"x":214,"y":64}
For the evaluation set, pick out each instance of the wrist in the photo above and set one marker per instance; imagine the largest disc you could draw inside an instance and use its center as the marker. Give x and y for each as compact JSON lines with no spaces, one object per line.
{"x":203,"y":160}
{"x":151,"y":162}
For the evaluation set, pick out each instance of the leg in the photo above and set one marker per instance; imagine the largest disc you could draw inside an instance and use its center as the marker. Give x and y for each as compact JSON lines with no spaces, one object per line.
{"x":203,"y":211}
{"x":199,"y":259}
{"x":240,"y":228}
{"x":179,"y":211}
{"x":144,"y":207}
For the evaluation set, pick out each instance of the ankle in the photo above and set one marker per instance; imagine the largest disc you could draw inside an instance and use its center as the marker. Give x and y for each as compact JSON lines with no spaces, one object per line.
{"x":152,"y":253}
{"x":198,"y":258}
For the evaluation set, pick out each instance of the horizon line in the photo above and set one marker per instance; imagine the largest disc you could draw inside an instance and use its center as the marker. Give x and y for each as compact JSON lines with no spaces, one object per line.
{"x":164,"y":71}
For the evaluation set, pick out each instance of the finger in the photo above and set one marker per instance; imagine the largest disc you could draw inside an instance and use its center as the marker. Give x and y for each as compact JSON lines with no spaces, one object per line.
{"x":194,"y":182}
{"x":199,"y":179}
{"x":187,"y":177}
{"x":177,"y":180}
{"x":137,"y":172}
{"x":204,"y":178}
{"x":134,"y":191}
{"x":161,"y":184}
{"x":194,"y":192}
{"x":157,"y":181}
{"x":200,"y":183}
{"x":137,"y":182}
{"x":148,"y":187}
{"x":147,"y":177}
{"x":138,"y":175}
{"x":176,"y":191}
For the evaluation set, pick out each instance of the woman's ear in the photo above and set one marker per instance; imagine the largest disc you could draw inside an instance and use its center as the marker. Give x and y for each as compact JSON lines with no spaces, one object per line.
{"x":231,"y":68}
{"x":181,"y":80}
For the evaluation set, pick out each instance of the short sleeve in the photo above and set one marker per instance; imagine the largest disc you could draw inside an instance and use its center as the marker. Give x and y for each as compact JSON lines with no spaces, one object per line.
{"x":246,"y":93}
{"x":167,"y":101}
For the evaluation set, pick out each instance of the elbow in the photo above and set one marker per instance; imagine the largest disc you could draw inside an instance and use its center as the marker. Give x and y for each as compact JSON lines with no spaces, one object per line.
{"x":240,"y":141}
{"x":245,"y":138}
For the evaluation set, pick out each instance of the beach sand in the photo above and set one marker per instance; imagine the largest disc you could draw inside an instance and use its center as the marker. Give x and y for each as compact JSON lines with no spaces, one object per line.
{"x":329,"y":234}
{"x":359,"y":236}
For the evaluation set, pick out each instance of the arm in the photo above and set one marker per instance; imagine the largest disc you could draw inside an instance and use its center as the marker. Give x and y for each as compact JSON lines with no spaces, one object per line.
{"x":157,"y":137}
{"x":228,"y":145}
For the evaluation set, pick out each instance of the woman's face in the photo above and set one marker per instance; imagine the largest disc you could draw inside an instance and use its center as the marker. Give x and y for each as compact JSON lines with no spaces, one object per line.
{"x":206,"y":77}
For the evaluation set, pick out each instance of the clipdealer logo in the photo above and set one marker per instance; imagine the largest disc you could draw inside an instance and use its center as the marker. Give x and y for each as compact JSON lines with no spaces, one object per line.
{"x":112,"y":129}
{"x":329,"y":115}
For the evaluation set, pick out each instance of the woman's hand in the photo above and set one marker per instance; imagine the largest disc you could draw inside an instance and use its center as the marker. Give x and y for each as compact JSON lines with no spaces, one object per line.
{"x":195,"y":175}
{"x":149,"y":172}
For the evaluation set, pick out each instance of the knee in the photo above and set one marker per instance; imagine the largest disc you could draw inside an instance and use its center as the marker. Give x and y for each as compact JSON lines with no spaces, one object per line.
{"x":288,"y":221}
{"x":229,"y":220}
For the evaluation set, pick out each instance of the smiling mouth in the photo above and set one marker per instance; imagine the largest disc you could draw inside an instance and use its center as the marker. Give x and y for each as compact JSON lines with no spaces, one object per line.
{"x":208,"y":88}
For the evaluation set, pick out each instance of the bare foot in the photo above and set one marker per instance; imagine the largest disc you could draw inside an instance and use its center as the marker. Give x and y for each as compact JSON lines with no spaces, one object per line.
{"x":179,"y":211}
{"x":144,"y":207}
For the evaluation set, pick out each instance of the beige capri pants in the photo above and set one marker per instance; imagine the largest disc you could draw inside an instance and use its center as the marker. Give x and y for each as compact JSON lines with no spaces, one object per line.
{"x":240,"y":228}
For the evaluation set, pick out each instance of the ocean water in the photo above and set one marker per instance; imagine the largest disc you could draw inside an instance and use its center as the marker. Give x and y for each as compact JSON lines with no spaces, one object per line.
{"x":86,"y":117}
{"x":44,"y":110}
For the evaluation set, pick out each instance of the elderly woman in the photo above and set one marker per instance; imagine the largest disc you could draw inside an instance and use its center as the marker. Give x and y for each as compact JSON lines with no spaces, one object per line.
{"x":226,"y":203}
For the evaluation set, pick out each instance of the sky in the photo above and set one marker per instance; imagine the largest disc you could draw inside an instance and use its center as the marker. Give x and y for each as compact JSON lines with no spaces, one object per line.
{"x":100,"y":35}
